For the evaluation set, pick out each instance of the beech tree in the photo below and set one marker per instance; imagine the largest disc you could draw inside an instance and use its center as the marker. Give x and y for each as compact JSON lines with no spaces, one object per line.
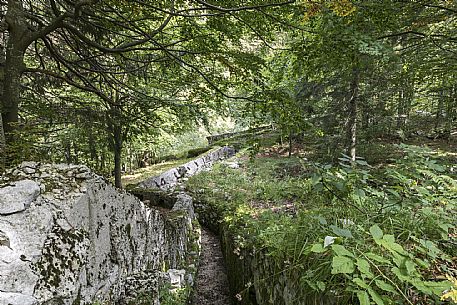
{"x":116,"y":51}
{"x":45,"y":31}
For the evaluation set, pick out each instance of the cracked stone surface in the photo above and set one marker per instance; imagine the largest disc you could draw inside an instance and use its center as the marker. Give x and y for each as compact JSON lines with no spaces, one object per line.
{"x":169,"y":179}
{"x":15,"y":197}
{"x":69,"y":237}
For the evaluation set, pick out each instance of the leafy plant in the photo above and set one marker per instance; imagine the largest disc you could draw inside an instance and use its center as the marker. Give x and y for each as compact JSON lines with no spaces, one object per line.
{"x":356,"y":233}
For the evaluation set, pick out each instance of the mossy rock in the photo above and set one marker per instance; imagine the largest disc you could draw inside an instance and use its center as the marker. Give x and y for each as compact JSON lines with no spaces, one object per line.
{"x":193,"y":153}
{"x":155,"y":197}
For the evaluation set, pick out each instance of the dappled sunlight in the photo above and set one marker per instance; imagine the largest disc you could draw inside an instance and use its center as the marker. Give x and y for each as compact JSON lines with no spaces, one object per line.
{"x":151,"y":171}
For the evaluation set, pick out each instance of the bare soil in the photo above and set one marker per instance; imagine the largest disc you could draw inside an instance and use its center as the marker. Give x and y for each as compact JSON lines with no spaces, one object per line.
{"x":212,"y":285}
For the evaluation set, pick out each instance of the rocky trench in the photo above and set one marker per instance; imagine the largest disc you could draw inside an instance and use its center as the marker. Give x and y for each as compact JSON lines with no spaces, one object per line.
{"x":233,"y":274}
{"x":69,"y":237}
{"x":255,"y":277}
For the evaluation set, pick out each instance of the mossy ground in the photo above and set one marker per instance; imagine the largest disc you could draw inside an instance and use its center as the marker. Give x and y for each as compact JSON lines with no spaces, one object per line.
{"x":152,"y":170}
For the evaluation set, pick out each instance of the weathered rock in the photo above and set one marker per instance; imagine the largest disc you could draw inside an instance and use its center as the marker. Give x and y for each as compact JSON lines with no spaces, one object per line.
{"x":16,"y":197}
{"x":7,"y":298}
{"x":4,"y":240}
{"x":177,"y":277}
{"x":83,"y":240}
{"x":232,"y":165}
{"x":169,"y":179}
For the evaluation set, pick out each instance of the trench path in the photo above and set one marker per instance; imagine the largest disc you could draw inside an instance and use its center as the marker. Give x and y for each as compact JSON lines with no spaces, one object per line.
{"x":211,"y":287}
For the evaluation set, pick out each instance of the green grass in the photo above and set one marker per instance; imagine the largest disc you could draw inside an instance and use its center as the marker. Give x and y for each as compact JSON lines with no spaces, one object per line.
{"x":288,"y":206}
{"x":151,"y":171}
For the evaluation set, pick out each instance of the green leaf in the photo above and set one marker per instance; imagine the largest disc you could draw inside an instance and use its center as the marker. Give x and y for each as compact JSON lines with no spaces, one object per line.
{"x":388,"y":242}
{"x":400,"y":275}
{"x":424,"y":264}
{"x":420,"y":285}
{"x":341,"y":251}
{"x":385,"y":286}
{"x":363,"y":297}
{"x":445,"y":229}
{"x":376,"y":297}
{"x":398,"y":259}
{"x":389,"y":238}
{"x":393,"y":192}
{"x":360,"y":283}
{"x":433,"y":250}
{"x":342,"y":264}
{"x":377,"y":258}
{"x":339,"y":186}
{"x":359,"y":193}
{"x":341,"y":232}
{"x":376,"y":232}
{"x":317,"y":248}
{"x":315,"y":179}
{"x":321,"y":285}
{"x":438,"y":287}
{"x":410,"y":267}
{"x":361,"y":162}
{"x":364,"y":267}
{"x":322,"y":220}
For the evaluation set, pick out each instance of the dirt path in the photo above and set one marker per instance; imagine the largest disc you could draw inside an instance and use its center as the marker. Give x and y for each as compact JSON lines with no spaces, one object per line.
{"x":212,"y":285}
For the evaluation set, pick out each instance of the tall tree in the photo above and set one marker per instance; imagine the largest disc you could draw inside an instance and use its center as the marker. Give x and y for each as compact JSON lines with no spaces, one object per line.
{"x":42,"y":33}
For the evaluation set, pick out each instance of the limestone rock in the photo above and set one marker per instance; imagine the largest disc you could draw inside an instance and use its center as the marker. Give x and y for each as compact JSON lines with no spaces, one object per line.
{"x":18,"y":196}
{"x":170,"y":179}
{"x":4,"y":240}
{"x":8,"y":298}
{"x":232,"y":165}
{"x":177,"y":277}
{"x":82,"y":240}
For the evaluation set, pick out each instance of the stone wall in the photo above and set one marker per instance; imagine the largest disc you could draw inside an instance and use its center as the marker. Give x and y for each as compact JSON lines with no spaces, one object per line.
{"x":261,"y":279}
{"x":69,"y":237}
{"x":169,"y":179}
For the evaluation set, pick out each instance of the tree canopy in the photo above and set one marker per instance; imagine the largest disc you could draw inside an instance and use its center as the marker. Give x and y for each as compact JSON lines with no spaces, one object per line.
{"x":86,"y":77}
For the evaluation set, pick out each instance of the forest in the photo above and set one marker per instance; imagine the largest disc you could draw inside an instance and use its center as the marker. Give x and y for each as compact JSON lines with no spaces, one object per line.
{"x":347,"y":109}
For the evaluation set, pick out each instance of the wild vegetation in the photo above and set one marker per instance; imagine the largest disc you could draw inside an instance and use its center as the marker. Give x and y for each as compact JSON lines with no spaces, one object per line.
{"x":355,"y":189}
{"x":381,"y":233}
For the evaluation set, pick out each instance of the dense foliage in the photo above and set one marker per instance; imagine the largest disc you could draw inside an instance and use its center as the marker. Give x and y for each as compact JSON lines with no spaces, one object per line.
{"x":120,"y":85}
{"x":380,"y":234}
{"x":90,"y":81}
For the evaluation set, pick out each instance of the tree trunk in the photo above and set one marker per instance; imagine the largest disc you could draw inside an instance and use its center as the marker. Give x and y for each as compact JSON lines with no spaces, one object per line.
{"x":439,"y":110}
{"x":2,"y":137}
{"x":115,"y":129}
{"x":76,"y":152}
{"x":2,"y":80}
{"x":68,"y":158}
{"x":11,"y":90}
{"x":352,"y":115}
{"x":290,"y":143}
{"x":18,"y":35}
{"x":451,"y":112}
{"x":401,"y":109}
{"x":117,"y":132}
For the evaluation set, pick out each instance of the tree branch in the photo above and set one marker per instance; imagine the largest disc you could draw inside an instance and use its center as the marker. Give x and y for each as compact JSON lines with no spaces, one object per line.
{"x":241,"y":8}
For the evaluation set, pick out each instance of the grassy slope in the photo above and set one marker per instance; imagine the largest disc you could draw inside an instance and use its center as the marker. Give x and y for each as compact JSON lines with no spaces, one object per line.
{"x":280,"y":205}
{"x":151,"y":171}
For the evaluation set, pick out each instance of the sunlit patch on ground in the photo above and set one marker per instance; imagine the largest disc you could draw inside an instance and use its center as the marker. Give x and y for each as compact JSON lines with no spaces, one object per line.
{"x":151,"y":171}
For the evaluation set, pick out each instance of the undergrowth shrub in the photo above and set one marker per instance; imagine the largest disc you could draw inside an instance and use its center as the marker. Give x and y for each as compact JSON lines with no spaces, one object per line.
{"x":363,"y":234}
